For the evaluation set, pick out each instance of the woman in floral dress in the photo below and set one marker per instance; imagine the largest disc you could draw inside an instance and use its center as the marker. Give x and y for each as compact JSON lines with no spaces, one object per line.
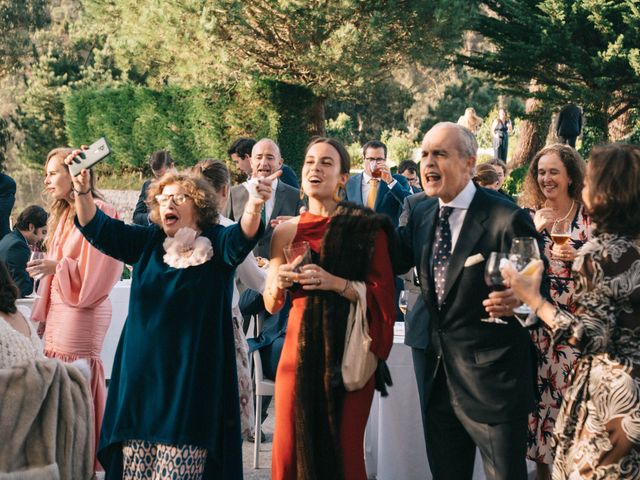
{"x":597,"y":433}
{"x":552,"y":193}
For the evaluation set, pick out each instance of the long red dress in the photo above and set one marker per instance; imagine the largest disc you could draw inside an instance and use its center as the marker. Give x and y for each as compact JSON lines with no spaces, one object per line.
{"x":355,"y":411}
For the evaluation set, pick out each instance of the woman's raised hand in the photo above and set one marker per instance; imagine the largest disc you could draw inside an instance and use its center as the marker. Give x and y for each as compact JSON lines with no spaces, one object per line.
{"x":263,"y":191}
{"x":525,"y":284}
{"x":82,"y":181}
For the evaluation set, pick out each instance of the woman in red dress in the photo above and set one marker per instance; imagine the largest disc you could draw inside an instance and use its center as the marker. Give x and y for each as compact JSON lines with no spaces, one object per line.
{"x":319,"y":426}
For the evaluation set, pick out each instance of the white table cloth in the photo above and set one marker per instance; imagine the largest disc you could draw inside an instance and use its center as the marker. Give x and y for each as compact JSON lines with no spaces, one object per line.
{"x":394,"y":439}
{"x":119,"y":297}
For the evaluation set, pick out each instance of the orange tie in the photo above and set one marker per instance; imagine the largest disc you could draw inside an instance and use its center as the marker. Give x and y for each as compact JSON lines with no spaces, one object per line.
{"x":373,"y":193}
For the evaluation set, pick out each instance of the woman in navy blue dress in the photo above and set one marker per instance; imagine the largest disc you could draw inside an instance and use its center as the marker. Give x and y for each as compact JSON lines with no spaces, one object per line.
{"x":172,"y":409}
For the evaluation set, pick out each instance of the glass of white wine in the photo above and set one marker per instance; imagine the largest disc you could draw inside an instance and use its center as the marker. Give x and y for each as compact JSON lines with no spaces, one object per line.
{"x":523,"y":250}
{"x":35,"y":255}
{"x":403,"y":301}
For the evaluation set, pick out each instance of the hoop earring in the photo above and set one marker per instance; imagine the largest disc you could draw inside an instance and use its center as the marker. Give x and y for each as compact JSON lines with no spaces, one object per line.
{"x":337,"y":193}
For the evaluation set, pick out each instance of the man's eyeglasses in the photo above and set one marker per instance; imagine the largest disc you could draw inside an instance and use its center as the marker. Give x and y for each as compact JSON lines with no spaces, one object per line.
{"x":375,"y":159}
{"x":177,"y":198}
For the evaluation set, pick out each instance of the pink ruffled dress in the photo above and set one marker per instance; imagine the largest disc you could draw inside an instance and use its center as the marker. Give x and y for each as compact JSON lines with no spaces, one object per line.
{"x":74,"y":304}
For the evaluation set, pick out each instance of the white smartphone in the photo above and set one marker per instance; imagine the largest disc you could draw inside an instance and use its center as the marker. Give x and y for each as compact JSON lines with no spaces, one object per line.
{"x":96,"y":152}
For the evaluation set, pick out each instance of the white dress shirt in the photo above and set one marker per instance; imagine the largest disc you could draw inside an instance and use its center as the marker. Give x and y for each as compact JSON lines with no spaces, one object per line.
{"x":460,"y":204}
{"x":366,"y":186}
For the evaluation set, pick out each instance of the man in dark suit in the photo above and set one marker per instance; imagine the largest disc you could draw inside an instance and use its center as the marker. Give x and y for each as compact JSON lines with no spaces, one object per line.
{"x":240,"y":153}
{"x":376,"y":187}
{"x":30,"y":229}
{"x":7,"y":199}
{"x":409,"y":170}
{"x":160,"y":163}
{"x":265,"y":160}
{"x":475,"y":377}
{"x":569,"y":124}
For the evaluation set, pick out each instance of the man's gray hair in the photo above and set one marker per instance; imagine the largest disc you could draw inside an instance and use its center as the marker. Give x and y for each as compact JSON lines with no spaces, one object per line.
{"x":467,"y":144}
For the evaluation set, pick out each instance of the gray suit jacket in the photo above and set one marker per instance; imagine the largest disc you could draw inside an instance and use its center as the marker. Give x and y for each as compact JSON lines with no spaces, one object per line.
{"x":287,"y":202}
{"x":416,"y":321}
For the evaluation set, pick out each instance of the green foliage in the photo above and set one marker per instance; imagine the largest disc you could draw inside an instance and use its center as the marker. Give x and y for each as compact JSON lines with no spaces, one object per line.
{"x":464,"y":91}
{"x":5,"y":138}
{"x":400,"y":146}
{"x":372,"y":115}
{"x":584,"y":51}
{"x":19,"y":19}
{"x":293,"y":104}
{"x":192,"y":124}
{"x":515,"y":179}
{"x":341,"y":128}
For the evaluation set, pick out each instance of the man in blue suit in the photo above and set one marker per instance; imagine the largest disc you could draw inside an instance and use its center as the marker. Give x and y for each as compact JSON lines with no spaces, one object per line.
{"x":376,"y":187}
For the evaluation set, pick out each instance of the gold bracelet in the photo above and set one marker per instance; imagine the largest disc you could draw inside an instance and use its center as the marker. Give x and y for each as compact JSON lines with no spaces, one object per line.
{"x":253,"y":214}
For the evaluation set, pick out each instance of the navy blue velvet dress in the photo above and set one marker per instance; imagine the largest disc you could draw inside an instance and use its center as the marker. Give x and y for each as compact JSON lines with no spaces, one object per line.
{"x":174,"y":374}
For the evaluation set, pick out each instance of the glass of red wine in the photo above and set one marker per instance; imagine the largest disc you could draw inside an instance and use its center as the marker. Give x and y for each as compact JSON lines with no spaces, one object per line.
{"x":493,"y":279}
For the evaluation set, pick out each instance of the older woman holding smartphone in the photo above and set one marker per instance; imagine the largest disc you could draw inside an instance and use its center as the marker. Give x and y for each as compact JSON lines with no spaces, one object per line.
{"x":597,"y":433}
{"x":172,"y":408}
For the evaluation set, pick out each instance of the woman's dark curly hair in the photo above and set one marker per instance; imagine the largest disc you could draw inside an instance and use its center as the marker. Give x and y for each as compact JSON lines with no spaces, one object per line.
{"x":613,"y":179}
{"x":8,"y":291}
{"x":532,"y":196}
{"x":204,"y":197}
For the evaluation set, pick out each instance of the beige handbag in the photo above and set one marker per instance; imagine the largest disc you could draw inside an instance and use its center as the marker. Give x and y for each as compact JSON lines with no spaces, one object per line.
{"x":358,"y":361}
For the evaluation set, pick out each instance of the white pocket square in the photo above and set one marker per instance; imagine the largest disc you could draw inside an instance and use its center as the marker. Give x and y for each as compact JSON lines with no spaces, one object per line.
{"x":473,"y":260}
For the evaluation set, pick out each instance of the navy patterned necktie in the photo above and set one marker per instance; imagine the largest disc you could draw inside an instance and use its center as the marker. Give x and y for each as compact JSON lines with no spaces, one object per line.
{"x":442,"y":251}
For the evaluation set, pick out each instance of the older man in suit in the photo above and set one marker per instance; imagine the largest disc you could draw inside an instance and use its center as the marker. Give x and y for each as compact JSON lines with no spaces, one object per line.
{"x":476,"y":376}
{"x":376,"y":187}
{"x":7,"y":199}
{"x":265,"y":160}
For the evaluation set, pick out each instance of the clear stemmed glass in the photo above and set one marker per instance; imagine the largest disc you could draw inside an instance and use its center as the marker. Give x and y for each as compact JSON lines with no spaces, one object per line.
{"x":560,"y":234}
{"x":402,"y":301}
{"x":35,"y":255}
{"x":523,"y":250}
{"x":493,"y":279}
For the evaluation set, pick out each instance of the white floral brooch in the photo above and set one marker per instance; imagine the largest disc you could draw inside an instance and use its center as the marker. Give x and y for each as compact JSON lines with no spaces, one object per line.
{"x":185,"y":249}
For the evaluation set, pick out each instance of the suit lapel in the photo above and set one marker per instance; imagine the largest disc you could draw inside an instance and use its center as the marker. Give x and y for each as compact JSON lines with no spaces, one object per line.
{"x":383,"y":188}
{"x":354,"y":189}
{"x":278,"y":201}
{"x":427,"y":226}
{"x":471,"y":232}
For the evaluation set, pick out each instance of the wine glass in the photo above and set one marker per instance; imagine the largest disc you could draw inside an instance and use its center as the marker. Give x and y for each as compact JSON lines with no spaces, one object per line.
{"x":560,"y":234}
{"x":35,"y":255}
{"x":493,"y":279}
{"x":523,"y":250}
{"x":403,"y":301}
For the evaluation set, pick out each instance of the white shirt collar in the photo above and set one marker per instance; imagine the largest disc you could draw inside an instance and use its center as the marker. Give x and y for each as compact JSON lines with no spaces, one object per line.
{"x":366,"y":177}
{"x":463,"y":199}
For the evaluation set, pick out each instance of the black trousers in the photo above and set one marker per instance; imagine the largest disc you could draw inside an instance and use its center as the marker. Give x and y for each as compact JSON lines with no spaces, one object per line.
{"x":451,"y":436}
{"x":571,"y":141}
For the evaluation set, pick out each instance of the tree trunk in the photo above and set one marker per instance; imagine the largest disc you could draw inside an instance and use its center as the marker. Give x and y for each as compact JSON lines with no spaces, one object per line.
{"x":316,"y":117}
{"x":533,"y":132}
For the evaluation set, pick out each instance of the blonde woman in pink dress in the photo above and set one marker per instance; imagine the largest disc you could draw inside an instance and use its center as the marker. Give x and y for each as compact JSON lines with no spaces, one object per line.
{"x":74,"y":307}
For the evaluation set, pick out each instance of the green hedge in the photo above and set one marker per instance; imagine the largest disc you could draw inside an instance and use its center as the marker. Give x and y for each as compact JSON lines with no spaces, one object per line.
{"x":191,"y":124}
